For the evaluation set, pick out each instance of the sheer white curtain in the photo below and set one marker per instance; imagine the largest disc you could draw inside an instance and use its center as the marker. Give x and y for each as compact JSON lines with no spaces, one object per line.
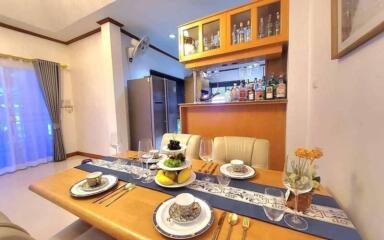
{"x":25,"y":125}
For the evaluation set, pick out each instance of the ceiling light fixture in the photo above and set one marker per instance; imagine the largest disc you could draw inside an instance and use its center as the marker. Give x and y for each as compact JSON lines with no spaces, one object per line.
{"x":172,"y":36}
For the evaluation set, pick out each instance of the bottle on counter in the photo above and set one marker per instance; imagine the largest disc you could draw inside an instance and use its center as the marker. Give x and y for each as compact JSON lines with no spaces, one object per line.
{"x":281,"y":89}
{"x":259,"y":89}
{"x":269,"y":90}
{"x":241,"y":33}
{"x":235,"y":93}
{"x":251,"y":92}
{"x":234,"y":34}
{"x":277,"y":24}
{"x":269,"y":25}
{"x":243,"y":91}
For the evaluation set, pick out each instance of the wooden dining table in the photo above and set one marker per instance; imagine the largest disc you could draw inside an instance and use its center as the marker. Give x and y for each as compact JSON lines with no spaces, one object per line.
{"x":130,"y":217}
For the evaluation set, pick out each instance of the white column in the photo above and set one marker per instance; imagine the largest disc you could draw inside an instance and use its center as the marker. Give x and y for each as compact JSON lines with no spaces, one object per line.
{"x":112,"y":53}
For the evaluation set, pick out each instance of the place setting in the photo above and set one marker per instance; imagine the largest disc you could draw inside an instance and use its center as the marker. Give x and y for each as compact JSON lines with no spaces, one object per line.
{"x":183,"y":217}
{"x":94,"y":183}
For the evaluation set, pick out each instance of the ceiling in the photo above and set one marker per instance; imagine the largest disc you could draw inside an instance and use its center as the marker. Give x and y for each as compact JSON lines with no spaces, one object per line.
{"x":66,"y":19}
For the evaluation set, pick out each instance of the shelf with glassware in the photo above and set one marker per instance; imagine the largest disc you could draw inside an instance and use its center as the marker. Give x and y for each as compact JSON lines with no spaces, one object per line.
{"x":201,"y":38}
{"x":257,"y":25}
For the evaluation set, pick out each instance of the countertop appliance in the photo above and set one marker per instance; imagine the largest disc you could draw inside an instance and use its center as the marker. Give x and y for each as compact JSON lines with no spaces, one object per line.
{"x":153,"y":109}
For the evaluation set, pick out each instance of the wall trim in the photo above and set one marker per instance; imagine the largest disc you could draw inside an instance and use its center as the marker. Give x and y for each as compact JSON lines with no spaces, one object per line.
{"x":4,"y":25}
{"x":111,"y":20}
{"x":84,"y":154}
{"x":131,"y":35}
{"x":85,"y":35}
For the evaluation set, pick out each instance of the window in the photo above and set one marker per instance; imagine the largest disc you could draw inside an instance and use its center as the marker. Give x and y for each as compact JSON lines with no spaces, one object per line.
{"x":25,"y":126}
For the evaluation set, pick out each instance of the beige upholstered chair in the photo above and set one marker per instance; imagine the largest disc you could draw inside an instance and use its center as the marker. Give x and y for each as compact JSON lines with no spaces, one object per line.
{"x":192,"y":142}
{"x":254,"y":152}
{"x":10,"y":231}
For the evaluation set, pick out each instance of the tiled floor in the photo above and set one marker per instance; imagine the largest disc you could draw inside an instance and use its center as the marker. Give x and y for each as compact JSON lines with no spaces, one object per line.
{"x":41,"y":218}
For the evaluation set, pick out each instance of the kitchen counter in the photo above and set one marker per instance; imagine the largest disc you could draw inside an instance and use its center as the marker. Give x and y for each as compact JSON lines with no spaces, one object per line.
{"x":259,"y":119}
{"x":261,"y":102}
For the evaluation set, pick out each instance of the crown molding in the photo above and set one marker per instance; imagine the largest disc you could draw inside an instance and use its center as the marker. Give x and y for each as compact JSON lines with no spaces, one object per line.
{"x":85,"y":35}
{"x":4,"y":25}
{"x":110,"y":20}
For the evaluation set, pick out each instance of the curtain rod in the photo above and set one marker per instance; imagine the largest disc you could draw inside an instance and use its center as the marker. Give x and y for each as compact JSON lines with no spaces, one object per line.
{"x":64,"y":66}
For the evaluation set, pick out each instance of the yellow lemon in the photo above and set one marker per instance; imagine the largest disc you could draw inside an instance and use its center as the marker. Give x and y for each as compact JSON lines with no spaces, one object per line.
{"x":184,"y":175}
{"x":160,"y":176}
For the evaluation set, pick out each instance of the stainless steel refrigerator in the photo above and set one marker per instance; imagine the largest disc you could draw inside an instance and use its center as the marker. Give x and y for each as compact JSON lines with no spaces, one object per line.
{"x":153,"y":109}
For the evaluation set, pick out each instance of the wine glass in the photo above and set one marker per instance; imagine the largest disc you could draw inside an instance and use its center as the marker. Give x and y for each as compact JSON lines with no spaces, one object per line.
{"x":223,"y":181}
{"x":116,"y":145}
{"x":297,"y":178}
{"x":145,"y":147}
{"x":275,"y":204}
{"x":206,"y":153}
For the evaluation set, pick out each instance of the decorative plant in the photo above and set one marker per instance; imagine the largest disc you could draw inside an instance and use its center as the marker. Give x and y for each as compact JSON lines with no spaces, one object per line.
{"x":304,"y":156}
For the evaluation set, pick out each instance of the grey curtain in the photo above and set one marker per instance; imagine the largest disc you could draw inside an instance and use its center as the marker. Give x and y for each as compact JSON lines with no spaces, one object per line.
{"x":48,"y":74}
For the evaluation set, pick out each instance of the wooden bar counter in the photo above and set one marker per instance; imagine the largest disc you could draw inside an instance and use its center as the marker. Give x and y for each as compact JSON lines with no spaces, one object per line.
{"x":258,"y":119}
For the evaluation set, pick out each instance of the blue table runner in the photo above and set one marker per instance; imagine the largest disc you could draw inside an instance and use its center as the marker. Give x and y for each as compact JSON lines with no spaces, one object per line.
{"x":315,"y":227}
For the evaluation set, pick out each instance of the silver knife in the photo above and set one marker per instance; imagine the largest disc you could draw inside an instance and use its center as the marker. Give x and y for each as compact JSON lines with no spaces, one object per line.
{"x":219,"y":225}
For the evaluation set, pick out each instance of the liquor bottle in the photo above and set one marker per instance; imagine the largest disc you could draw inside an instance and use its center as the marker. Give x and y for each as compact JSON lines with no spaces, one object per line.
{"x":259,"y":89}
{"x":234,"y":34}
{"x":277,"y":24}
{"x":269,"y":90}
{"x":281,"y":89}
{"x":248,"y":35}
{"x":234,"y":93}
{"x":270,"y":25}
{"x":261,"y":28}
{"x":243,"y":91}
{"x":251,"y":92}
{"x":241,"y":33}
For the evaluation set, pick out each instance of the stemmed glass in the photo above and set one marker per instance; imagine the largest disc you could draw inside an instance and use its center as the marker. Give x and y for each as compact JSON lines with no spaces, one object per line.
{"x":223,"y":181}
{"x":145,"y":147}
{"x":297,"y":178}
{"x":206,"y":153}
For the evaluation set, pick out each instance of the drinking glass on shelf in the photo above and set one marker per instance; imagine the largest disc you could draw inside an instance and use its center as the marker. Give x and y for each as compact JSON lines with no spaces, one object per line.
{"x":206,"y":153}
{"x":145,"y":147}
{"x":297,"y":178}
{"x":223,"y":181}
{"x":275,"y":204}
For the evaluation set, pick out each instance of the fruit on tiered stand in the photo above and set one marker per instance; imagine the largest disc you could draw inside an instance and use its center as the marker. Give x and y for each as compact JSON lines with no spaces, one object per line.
{"x":172,"y":177}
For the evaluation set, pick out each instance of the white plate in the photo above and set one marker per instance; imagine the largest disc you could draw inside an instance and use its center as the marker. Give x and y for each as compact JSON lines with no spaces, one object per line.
{"x":186,"y":230}
{"x":249,"y":174}
{"x":186,"y":164}
{"x":176,"y":185}
{"x":155,"y":160}
{"x":182,"y":149}
{"x":77,"y":191}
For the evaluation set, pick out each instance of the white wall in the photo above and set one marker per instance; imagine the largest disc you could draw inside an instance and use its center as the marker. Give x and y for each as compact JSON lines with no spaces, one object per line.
{"x":27,"y":46}
{"x":93,"y":99}
{"x":343,"y":115}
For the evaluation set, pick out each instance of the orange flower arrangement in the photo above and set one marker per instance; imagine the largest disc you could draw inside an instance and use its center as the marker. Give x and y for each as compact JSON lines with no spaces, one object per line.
{"x":310,"y":154}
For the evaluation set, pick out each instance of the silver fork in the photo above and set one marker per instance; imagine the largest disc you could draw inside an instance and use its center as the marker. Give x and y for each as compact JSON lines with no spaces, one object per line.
{"x":245,"y":226}
{"x":127,"y":189}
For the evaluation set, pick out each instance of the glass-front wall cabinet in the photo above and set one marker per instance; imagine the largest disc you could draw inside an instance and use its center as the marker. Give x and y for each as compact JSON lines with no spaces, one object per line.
{"x":211,"y":35}
{"x":268,"y":20}
{"x":241,"y":27}
{"x":191,"y":41}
